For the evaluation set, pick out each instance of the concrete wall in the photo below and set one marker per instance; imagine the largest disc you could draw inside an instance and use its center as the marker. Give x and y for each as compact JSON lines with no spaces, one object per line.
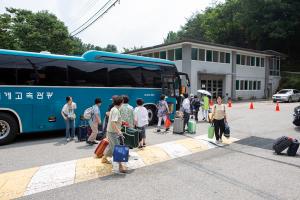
{"x":209,"y":68}
{"x":274,"y":80}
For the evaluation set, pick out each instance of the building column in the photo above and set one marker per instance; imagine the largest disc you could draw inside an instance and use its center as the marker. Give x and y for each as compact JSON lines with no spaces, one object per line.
{"x":233,"y":74}
{"x":186,"y":65}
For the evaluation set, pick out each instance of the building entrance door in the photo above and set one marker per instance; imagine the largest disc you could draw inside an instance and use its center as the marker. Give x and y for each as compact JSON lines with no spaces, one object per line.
{"x":215,"y":87}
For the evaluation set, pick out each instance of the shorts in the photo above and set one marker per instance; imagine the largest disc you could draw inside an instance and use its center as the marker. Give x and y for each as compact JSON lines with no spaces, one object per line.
{"x":142,"y":134}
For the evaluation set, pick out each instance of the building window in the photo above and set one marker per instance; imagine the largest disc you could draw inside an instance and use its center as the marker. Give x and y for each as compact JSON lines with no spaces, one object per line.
{"x":246,"y":85}
{"x":215,"y":56}
{"x":250,"y":85}
{"x":252,"y":61}
{"x":254,"y":85}
{"x":208,"y":55}
{"x":202,"y":54}
{"x":171,"y":54}
{"x":163,"y":55}
{"x":238,"y":59}
{"x":274,"y":64}
{"x":257,"y":61}
{"x":222,"y":57}
{"x":178,"y":54}
{"x":242,"y":85}
{"x":237,"y":85}
{"x":156,"y":54}
{"x":258,"y":85}
{"x":227,"y":57}
{"x":262,"y":62}
{"x":194,"y":54}
{"x":243,"y":59}
{"x":248,"y":60}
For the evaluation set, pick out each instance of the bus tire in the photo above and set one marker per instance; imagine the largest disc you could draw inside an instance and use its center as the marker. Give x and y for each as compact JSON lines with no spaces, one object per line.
{"x":8,"y":128}
{"x":151,"y":114}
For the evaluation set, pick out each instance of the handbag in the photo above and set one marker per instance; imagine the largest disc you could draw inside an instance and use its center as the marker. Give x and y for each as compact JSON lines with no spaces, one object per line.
{"x":121,"y":153}
{"x":168,"y":122}
{"x":211,"y":131}
{"x":227,"y":130}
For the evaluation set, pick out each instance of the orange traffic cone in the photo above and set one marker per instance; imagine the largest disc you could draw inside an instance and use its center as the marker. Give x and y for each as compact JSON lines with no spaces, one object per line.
{"x":229,"y":104}
{"x":251,"y":106}
{"x":277,"y":107}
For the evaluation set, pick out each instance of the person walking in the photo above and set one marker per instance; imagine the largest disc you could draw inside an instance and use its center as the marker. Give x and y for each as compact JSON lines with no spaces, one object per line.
{"x":68,"y":113}
{"x":141,"y":121}
{"x":205,"y":107}
{"x":196,"y":106}
{"x":219,"y":119}
{"x":126,"y":112}
{"x":163,"y":111}
{"x":114,"y":131}
{"x":186,"y":109}
{"x":94,"y":122}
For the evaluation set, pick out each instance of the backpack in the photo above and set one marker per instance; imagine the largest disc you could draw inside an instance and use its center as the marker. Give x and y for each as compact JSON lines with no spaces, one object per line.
{"x":88,"y":113}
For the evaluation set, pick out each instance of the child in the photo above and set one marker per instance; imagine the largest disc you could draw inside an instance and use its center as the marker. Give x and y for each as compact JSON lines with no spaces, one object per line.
{"x":141,"y":121}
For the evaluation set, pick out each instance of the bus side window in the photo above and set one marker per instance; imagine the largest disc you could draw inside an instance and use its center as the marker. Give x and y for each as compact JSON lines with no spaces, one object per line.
{"x":124,"y":76}
{"x":87,"y":74}
{"x":8,"y":74}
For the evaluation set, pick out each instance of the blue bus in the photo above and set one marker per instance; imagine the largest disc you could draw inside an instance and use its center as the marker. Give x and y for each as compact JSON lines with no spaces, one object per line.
{"x":33,"y":86}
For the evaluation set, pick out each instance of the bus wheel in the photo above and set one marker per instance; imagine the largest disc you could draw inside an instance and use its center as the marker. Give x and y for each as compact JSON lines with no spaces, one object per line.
{"x":151,"y":114}
{"x":8,"y":128}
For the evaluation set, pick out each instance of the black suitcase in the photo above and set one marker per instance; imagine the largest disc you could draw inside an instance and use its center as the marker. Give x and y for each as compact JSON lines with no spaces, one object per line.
{"x":293,"y":148}
{"x":82,"y":131}
{"x":281,"y":144}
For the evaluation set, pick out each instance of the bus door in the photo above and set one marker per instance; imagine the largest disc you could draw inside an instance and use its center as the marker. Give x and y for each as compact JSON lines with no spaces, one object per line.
{"x":182,"y":83}
{"x":168,"y":89}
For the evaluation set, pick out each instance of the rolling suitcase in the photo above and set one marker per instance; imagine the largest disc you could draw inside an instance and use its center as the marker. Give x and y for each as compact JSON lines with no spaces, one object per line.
{"x":178,"y":126}
{"x":131,"y":137}
{"x":281,"y":144}
{"x":82,"y":131}
{"x":101,"y":147}
{"x":293,"y":148}
{"x":192,"y":125}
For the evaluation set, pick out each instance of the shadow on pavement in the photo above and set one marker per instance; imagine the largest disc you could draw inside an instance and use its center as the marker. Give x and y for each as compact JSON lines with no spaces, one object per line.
{"x":259,"y":142}
{"x":29,"y":139}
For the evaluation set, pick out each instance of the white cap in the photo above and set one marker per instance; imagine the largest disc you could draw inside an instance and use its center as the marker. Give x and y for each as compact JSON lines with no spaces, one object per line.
{"x":191,"y":95}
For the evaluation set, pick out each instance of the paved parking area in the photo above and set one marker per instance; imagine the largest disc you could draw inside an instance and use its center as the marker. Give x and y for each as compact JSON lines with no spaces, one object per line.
{"x":246,"y":169}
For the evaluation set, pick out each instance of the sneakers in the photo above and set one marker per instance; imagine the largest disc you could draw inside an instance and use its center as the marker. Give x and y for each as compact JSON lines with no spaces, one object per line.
{"x":158,"y":131}
{"x":68,"y":139}
{"x":217,"y":141}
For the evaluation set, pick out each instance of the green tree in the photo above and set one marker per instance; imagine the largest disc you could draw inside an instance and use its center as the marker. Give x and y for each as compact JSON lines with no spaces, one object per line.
{"x":42,"y":31}
{"x":257,"y":24}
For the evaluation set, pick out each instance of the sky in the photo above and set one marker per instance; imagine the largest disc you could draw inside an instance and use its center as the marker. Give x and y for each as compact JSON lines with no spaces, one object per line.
{"x":129,"y":23}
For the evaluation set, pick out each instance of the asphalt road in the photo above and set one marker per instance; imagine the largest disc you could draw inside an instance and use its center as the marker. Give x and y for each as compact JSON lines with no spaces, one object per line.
{"x":246,"y":169}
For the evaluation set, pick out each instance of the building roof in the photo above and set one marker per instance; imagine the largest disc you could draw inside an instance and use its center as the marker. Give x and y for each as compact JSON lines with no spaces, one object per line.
{"x":267,"y":52}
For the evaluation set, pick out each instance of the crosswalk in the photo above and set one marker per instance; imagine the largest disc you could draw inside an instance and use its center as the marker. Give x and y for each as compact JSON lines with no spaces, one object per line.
{"x":38,"y":179}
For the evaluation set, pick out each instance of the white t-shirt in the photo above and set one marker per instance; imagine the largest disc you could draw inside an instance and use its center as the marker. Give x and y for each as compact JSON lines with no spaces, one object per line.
{"x":69,"y":109}
{"x":141,"y":116}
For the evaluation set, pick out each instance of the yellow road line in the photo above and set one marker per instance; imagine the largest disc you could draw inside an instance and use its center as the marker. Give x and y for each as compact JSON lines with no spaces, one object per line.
{"x":193,"y":145}
{"x":153,"y":154}
{"x":14,"y":184}
{"x":91,"y":168}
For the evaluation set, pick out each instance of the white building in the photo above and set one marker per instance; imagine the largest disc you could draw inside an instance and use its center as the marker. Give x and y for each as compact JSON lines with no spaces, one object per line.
{"x":241,"y":73}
